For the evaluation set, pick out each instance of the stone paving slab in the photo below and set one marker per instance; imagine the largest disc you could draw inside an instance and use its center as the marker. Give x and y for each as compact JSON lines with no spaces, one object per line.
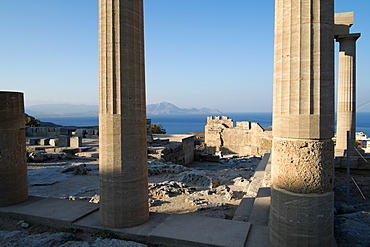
{"x":190,"y":230}
{"x":258,"y":237}
{"x":52,"y":209}
{"x":261,"y":211}
{"x":138,"y":233}
{"x":30,"y":200}
{"x":264,"y":192}
{"x":263,"y":163}
{"x":160,"y":229}
{"x":244,"y":209}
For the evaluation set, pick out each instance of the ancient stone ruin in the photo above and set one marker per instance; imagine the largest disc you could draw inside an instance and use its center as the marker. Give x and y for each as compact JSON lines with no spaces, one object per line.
{"x":346,"y":110}
{"x":13,"y":165}
{"x":302,"y":169}
{"x":122,"y":115}
{"x":302,"y":172}
{"x":221,"y":136}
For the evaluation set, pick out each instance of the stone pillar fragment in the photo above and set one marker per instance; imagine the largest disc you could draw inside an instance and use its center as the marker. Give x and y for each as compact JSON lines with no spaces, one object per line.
{"x":13,"y":165}
{"x":122,"y":114}
{"x":346,"y":112}
{"x":303,"y":123}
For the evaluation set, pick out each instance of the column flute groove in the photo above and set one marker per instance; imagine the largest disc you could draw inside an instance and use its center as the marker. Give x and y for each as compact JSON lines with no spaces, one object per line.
{"x":123,"y":171}
{"x":303,"y":124}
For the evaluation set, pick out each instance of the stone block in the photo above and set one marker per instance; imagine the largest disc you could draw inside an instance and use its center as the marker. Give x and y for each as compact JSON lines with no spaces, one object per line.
{"x":75,"y":142}
{"x":44,"y":141}
{"x":345,"y":18}
{"x":92,"y":136}
{"x":88,"y":154}
{"x":90,"y":131}
{"x":80,"y":132}
{"x":34,"y":141}
{"x":244,"y":209}
{"x":260,"y":211}
{"x":53,"y":142}
{"x":190,"y":230}
{"x":63,"y":141}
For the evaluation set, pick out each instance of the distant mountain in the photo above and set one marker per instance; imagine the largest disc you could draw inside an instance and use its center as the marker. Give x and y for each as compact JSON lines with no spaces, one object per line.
{"x":62,"y":110}
{"x":168,"y":108}
{"x":69,"y":110}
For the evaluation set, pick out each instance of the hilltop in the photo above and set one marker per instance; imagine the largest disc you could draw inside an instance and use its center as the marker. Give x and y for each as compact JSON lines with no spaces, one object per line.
{"x":168,"y":108}
{"x":70,"y":110}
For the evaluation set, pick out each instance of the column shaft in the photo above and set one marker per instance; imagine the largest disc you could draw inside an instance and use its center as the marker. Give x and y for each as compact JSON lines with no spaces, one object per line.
{"x":13,"y":165}
{"x":122,"y":114}
{"x":346,"y":111}
{"x":303,"y":123}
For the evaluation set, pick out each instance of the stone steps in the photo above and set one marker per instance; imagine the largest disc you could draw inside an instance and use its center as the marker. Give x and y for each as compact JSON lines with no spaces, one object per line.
{"x":244,"y":209}
{"x":160,"y":229}
{"x":255,"y":209}
{"x":261,"y":208}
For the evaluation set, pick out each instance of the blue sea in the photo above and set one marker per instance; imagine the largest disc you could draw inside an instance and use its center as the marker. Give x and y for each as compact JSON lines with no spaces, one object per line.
{"x":178,"y":124}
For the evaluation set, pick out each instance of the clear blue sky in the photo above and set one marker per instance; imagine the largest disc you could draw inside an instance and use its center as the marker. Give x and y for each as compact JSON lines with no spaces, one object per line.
{"x":199,"y":53}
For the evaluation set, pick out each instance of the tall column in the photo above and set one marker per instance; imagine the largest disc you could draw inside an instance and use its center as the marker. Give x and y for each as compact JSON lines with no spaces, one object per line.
{"x":13,"y":165}
{"x":122,"y":114}
{"x":346,"y":112}
{"x":301,"y":212}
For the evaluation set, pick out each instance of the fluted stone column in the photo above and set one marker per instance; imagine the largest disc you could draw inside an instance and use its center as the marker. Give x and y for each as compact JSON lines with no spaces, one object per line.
{"x":122,"y":114}
{"x":13,"y":165}
{"x":346,"y":112}
{"x":301,"y":212}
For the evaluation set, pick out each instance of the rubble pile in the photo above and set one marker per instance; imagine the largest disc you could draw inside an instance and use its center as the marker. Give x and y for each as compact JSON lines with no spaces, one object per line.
{"x":41,"y":156}
{"x":169,"y":189}
{"x":158,"y":167}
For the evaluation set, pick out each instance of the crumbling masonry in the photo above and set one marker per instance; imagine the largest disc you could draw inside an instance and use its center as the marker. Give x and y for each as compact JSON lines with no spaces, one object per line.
{"x":246,"y":138}
{"x":303,"y":116}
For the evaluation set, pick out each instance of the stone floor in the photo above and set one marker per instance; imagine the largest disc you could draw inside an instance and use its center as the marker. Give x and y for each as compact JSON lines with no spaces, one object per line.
{"x":249,"y":226}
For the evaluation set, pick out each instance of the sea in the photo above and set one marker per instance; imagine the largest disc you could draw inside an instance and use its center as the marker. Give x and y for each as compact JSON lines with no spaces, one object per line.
{"x":179,"y":124}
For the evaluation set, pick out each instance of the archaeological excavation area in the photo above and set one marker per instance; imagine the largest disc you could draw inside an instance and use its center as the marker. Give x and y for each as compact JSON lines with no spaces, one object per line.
{"x":244,"y":185}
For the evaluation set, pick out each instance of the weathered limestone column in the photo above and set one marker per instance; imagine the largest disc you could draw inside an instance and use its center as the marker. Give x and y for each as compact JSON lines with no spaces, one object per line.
{"x":122,"y":114}
{"x":346,"y":112}
{"x":13,"y":164}
{"x":302,"y":201}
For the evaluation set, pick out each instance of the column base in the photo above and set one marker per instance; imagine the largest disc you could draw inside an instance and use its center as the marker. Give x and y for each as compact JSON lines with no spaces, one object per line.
{"x":301,"y":219}
{"x":303,"y":166}
{"x":123,"y":203}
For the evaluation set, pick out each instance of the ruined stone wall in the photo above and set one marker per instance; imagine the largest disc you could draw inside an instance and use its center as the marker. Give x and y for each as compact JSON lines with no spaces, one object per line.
{"x":178,"y":149}
{"x":189,"y":148}
{"x":246,"y":138}
{"x":213,"y":130}
{"x":46,"y":132}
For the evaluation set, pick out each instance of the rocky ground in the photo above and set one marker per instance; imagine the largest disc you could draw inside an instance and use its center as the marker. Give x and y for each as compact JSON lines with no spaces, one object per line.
{"x":210,"y":189}
{"x":204,"y":188}
{"x":352,"y":222}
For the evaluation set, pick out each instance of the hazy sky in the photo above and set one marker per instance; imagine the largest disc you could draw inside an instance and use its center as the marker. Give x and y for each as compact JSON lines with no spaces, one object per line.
{"x":199,"y":53}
